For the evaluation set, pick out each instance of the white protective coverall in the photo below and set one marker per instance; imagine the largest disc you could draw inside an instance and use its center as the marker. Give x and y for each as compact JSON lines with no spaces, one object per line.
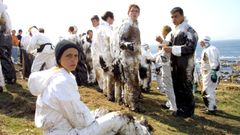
{"x":59,"y":110}
{"x":146,"y":63}
{"x":210,"y":61}
{"x":44,"y":59}
{"x":130,"y":44}
{"x":86,"y":45}
{"x":98,"y":71}
{"x":164,"y":78}
{"x":103,"y":41}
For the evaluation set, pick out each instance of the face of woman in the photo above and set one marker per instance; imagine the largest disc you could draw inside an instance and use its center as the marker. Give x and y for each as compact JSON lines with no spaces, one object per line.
{"x":69,"y":59}
{"x":134,"y":13}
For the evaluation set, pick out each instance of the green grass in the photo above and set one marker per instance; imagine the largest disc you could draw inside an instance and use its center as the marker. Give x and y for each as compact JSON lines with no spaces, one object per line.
{"x":17,"y":107}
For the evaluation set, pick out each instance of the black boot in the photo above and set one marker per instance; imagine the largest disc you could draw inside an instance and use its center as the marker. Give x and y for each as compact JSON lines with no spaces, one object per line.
{"x":1,"y":89}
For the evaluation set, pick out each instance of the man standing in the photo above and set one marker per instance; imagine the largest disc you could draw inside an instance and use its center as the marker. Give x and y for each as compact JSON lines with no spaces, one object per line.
{"x":98,"y":71}
{"x":44,"y":58}
{"x":182,"y":45}
{"x":15,"y":47}
{"x":19,"y":37}
{"x":104,"y":39}
{"x":130,"y":45}
{"x":86,"y":43}
{"x":210,"y":65}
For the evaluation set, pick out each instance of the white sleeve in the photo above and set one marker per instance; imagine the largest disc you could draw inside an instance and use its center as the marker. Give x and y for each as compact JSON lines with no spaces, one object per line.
{"x":75,"y":111}
{"x":213,"y":55}
{"x":32,"y":44}
{"x":123,"y":31}
{"x":176,"y":50}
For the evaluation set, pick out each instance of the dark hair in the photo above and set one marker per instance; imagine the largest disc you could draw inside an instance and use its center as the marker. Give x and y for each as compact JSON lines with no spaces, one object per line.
{"x":71,"y":29}
{"x":41,"y":30}
{"x":95,"y":17}
{"x":177,"y":9}
{"x":20,"y":30}
{"x":107,"y":14}
{"x":34,"y":27}
{"x":133,"y":5}
{"x":89,"y":31}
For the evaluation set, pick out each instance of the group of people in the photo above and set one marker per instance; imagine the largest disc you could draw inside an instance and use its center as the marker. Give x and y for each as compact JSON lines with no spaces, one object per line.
{"x":120,"y":65}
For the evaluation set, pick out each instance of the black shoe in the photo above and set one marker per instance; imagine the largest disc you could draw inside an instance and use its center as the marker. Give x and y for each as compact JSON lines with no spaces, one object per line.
{"x":112,"y":99}
{"x":1,"y":89}
{"x":99,"y":90}
{"x":145,"y":90}
{"x":211,"y":112}
{"x":138,"y":110}
{"x":181,"y":114}
{"x":164,"y":106}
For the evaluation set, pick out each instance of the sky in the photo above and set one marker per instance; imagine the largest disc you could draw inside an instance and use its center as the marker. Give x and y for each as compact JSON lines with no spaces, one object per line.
{"x":219,"y":19}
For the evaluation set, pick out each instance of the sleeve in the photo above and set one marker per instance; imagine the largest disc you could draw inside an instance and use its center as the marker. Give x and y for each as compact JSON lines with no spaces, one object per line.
{"x":123,"y":32}
{"x":32,"y":44}
{"x":213,"y":56}
{"x":75,"y":111}
{"x":189,"y":46}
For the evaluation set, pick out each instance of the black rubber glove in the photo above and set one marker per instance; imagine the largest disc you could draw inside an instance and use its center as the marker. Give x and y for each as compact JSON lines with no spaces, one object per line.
{"x":214,"y":76}
{"x":103,"y":64}
{"x":148,"y":61}
{"x":130,"y":46}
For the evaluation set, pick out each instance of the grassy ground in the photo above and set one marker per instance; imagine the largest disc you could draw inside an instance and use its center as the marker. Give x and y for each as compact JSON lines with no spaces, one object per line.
{"x":17,"y":108}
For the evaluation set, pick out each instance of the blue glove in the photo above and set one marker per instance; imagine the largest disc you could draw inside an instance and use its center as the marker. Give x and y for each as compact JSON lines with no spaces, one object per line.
{"x":214,"y":76}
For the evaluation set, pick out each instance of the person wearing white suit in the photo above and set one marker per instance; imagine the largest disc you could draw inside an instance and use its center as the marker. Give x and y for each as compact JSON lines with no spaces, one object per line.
{"x":130,"y":45}
{"x":44,"y":58}
{"x":163,"y":64}
{"x":97,"y":70}
{"x":146,"y":68}
{"x":59,"y":110}
{"x":210,"y":66}
{"x":103,"y":40}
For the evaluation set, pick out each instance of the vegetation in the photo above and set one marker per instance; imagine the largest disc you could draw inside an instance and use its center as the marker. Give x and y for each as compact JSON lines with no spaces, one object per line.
{"x":17,"y":108}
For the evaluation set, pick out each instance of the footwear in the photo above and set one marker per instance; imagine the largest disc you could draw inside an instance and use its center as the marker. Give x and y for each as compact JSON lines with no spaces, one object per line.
{"x":145,"y":90}
{"x":164,"y":106}
{"x":1,"y":89}
{"x":137,"y":110}
{"x":181,"y":114}
{"x":99,"y":90}
{"x":210,"y":112}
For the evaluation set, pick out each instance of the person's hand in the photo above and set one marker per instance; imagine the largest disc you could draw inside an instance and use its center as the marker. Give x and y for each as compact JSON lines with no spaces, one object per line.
{"x":148,"y":61}
{"x":214,"y":76}
{"x":130,"y":46}
{"x":167,"y":49}
{"x":157,"y":69}
{"x":159,"y":39}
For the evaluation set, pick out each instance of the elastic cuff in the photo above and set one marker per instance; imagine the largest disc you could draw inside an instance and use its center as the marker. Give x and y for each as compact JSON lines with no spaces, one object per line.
{"x":176,"y":50}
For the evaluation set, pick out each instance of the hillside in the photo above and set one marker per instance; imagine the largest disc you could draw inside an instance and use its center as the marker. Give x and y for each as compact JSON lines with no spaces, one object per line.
{"x":17,"y":108}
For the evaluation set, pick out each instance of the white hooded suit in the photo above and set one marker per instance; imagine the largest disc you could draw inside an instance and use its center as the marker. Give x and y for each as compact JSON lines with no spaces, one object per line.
{"x":210,"y":62}
{"x":59,"y":110}
{"x":44,"y":59}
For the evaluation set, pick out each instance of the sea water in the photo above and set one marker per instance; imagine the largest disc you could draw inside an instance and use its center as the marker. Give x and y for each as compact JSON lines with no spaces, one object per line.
{"x":229,"y":49}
